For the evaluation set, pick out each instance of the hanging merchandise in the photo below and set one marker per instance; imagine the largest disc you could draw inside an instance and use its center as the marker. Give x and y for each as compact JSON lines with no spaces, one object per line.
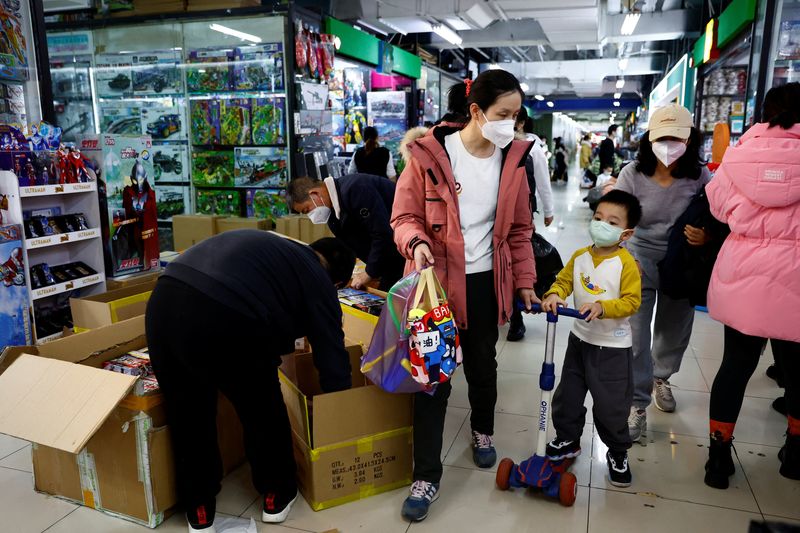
{"x":13,"y":52}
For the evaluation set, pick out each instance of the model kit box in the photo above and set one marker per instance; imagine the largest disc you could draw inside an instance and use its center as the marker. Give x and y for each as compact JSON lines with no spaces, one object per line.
{"x":15,"y":323}
{"x":350,"y":444}
{"x":96,"y":443}
{"x":110,"y":307}
{"x":131,"y":230}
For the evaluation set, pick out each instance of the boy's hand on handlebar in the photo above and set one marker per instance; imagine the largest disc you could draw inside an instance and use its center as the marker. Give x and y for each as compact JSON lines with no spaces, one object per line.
{"x":594,"y":309}
{"x":551,"y":303}
{"x":423,"y":258}
{"x":528,"y":298}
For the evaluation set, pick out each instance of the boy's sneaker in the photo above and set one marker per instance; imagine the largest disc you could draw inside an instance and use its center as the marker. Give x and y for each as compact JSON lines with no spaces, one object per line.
{"x":619,"y":472}
{"x":789,"y":456}
{"x":558,"y":449}
{"x":637,"y":423}
{"x":483,"y":452}
{"x":423,"y":494}
{"x":276,"y":507}
{"x":662,"y":396}
{"x":201,"y":518}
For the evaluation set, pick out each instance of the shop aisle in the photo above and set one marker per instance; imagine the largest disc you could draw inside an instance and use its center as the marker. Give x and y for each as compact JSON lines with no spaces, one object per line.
{"x":667,"y":494}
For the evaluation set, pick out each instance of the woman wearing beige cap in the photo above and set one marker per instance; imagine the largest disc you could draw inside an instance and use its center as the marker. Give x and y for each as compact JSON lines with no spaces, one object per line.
{"x":668,"y":173}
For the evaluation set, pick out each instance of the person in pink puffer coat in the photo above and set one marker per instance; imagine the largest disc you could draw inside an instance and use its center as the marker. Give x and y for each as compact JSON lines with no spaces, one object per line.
{"x":755,"y":285}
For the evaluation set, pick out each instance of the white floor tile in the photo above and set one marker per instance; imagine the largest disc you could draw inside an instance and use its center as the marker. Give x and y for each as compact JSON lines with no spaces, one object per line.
{"x":689,"y":377}
{"x":9,"y":445}
{"x":88,"y":520}
{"x":237,"y":492}
{"x":776,"y":495}
{"x":24,"y":511}
{"x":470,"y":502}
{"x":622,"y":512}
{"x":527,"y":357}
{"x":19,"y":460}
{"x":759,"y":386}
{"x":455,"y":418}
{"x":672,"y":467}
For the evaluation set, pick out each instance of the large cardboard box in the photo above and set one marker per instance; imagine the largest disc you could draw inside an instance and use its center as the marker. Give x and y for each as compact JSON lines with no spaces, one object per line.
{"x":234,"y":223}
{"x":349,"y":444}
{"x":301,"y":228}
{"x":358,"y":325}
{"x":110,"y":307}
{"x":135,"y":279}
{"x":188,"y":230}
{"x":96,"y":443}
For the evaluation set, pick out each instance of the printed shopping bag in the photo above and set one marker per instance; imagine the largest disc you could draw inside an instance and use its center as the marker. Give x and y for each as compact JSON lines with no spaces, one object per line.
{"x":434,"y":347}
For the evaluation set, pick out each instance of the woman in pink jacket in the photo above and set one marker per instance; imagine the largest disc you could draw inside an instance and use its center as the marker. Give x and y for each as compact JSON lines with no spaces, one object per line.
{"x":462,"y":207}
{"x":755,"y":286}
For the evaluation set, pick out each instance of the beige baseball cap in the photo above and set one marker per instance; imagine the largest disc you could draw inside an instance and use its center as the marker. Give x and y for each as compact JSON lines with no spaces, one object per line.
{"x":670,"y":121}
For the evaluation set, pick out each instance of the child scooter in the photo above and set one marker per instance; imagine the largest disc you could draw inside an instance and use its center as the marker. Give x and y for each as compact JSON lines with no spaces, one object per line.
{"x":539,"y":472}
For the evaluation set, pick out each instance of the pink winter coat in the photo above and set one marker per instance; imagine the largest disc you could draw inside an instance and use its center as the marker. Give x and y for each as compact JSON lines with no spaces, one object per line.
{"x":755,"y":286}
{"x":426,"y":210}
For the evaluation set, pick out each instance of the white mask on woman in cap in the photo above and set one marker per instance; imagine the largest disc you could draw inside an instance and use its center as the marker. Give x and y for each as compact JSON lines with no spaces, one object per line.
{"x":669,"y":151}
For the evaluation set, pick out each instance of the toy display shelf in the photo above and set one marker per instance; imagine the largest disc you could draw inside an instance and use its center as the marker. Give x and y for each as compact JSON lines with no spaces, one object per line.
{"x":230,"y":147}
{"x":80,"y":246}
{"x":235,"y":93}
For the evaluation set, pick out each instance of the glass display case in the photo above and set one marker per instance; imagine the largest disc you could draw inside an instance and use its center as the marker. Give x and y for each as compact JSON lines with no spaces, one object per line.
{"x":19,"y":86}
{"x":785,"y":49}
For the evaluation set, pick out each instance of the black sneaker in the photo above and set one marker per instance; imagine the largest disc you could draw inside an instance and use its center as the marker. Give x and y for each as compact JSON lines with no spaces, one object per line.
{"x":558,"y":449}
{"x":619,"y":472}
{"x":779,"y":405}
{"x":773,"y":374}
{"x":201,"y":518}
{"x":276,"y":507}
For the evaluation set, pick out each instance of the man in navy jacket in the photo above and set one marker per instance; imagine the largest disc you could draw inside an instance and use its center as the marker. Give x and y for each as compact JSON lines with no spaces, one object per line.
{"x":357,"y":209}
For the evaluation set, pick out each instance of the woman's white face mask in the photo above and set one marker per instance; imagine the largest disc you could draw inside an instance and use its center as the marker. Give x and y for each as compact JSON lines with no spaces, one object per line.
{"x":498,"y":132}
{"x":669,"y":151}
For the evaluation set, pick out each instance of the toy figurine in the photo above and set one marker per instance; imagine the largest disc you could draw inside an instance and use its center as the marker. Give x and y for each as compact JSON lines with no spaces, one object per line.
{"x":63,"y":165}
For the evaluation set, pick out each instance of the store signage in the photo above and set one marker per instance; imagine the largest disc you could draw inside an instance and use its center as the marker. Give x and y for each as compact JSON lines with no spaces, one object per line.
{"x":710,"y":50}
{"x":74,"y":43}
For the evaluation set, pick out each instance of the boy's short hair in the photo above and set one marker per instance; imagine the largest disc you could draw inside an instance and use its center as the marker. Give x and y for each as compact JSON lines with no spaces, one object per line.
{"x":626,"y":200}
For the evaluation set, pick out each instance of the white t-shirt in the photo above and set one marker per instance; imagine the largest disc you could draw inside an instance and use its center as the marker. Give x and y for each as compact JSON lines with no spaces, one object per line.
{"x":477,"y":185}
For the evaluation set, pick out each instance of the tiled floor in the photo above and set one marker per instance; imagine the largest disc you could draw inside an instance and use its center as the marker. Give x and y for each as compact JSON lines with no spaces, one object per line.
{"x":667,"y":494}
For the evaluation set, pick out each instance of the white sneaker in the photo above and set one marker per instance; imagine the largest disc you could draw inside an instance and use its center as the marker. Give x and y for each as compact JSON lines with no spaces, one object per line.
{"x":662,"y":396}
{"x":275,"y":511}
{"x":209,"y":529}
{"x":637,"y":423}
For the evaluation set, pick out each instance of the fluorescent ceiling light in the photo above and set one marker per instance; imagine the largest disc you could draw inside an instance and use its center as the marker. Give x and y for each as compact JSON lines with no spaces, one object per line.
{"x":481,"y":14}
{"x":629,"y":24}
{"x":617,"y":96}
{"x":623,"y":63}
{"x":363,"y":24}
{"x":550,"y":104}
{"x":538,"y":97}
{"x":525,"y":87}
{"x":447,"y":34}
{"x":235,"y":33}
{"x":392,"y":26}
{"x":620,"y":83}
{"x":616,"y":103}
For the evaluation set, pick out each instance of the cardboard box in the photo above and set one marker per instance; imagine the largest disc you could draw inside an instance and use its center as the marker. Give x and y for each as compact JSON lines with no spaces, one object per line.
{"x":349,"y":444}
{"x":234,"y":223}
{"x":96,"y":444}
{"x":359,"y":326}
{"x":113,"y":284}
{"x":289,"y":226}
{"x":110,"y":307}
{"x":301,"y":228}
{"x":188,"y":230}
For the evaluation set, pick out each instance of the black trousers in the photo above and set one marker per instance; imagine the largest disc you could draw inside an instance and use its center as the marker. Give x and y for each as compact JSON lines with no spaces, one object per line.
{"x":607,"y":373}
{"x":478,"y":344}
{"x":198,"y":348}
{"x":739,"y":360}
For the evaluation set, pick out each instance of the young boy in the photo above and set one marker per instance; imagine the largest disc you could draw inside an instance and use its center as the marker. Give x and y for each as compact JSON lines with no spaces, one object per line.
{"x":606,"y":284}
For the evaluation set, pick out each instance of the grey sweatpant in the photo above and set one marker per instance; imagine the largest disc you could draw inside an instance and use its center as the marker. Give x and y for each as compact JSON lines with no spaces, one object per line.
{"x":607,"y":374}
{"x":658,"y":353}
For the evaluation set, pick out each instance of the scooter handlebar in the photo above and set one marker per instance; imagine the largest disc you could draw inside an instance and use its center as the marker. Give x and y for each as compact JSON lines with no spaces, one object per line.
{"x":562,"y":311}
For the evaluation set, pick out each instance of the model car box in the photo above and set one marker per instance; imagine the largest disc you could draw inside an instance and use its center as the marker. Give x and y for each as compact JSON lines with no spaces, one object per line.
{"x":234,"y":223}
{"x":95,"y":443}
{"x":110,"y":307}
{"x":358,"y":325}
{"x":349,"y":444}
{"x":188,"y":230}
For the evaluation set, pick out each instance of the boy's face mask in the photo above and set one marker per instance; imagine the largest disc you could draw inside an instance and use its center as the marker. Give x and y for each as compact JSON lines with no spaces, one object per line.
{"x":604,"y":234}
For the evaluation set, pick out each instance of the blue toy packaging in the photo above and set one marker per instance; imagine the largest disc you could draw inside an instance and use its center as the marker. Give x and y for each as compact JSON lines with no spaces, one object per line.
{"x":15,"y":323}
{"x":259,"y":67}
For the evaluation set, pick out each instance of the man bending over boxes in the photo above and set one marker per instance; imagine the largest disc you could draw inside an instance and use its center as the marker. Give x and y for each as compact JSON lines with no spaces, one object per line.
{"x":218,"y":320}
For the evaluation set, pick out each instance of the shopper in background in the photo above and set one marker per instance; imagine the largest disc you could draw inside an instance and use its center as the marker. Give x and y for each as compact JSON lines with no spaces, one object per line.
{"x":668,"y":173}
{"x":457,"y":112}
{"x":372,"y":158}
{"x":219,"y":319}
{"x":561,"y":153}
{"x":357,"y":209}
{"x":754,"y":287}
{"x":586,"y":152}
{"x":539,"y":182}
{"x":608,"y":148}
{"x":462,"y":207}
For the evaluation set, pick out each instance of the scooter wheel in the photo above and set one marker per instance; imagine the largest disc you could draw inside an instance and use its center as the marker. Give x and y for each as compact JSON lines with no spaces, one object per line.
{"x":567,"y":489}
{"x":504,"y":473}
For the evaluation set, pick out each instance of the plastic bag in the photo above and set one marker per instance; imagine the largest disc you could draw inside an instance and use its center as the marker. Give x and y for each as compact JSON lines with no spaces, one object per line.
{"x":386,"y":362}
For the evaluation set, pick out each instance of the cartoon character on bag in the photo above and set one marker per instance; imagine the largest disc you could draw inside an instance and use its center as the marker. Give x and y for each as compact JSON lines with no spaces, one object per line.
{"x":418,"y":367}
{"x":449,"y":349}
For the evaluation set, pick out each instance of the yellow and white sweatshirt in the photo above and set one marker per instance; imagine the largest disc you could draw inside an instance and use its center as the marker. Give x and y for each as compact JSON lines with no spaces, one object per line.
{"x":615,"y":282}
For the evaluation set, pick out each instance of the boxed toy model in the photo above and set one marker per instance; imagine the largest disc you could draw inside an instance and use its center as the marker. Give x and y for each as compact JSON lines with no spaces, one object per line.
{"x":212,"y":169}
{"x":268,"y":121}
{"x":172,"y":200}
{"x":209,"y":70}
{"x":171,"y":162}
{"x":205,"y":122}
{"x":269,"y":204}
{"x":121,"y":117}
{"x":260,"y":166}
{"x":15,"y":326}
{"x":131,"y":231}
{"x":218,"y":202}
{"x":129,"y":364}
{"x":163,"y":123}
{"x":259,"y":67}
{"x":113,"y":75}
{"x":234,"y":121}
{"x":156,"y":73}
